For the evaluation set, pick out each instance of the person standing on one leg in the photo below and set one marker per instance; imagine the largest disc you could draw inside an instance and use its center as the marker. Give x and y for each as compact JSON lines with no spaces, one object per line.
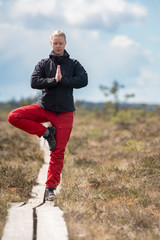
{"x":56,"y":76}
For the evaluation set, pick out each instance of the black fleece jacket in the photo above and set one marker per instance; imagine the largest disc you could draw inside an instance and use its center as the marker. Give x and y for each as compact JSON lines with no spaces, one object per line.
{"x":58,"y":97}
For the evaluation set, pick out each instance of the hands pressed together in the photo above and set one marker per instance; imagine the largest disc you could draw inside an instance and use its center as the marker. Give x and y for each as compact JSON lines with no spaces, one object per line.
{"x":58,"y":74}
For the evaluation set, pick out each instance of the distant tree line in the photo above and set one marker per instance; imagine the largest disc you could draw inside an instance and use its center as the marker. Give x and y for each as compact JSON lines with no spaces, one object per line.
{"x":12,"y":104}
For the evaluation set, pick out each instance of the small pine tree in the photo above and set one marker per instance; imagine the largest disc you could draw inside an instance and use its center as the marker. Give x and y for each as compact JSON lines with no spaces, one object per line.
{"x":113,"y":90}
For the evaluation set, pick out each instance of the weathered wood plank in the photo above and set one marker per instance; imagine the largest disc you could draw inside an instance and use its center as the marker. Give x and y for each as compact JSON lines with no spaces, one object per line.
{"x":20,"y":223}
{"x":51,"y":224}
{"x":37,"y":195}
{"x":37,"y":218}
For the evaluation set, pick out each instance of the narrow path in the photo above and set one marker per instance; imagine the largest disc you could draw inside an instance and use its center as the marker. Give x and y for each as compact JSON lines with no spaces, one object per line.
{"x":36,"y":220}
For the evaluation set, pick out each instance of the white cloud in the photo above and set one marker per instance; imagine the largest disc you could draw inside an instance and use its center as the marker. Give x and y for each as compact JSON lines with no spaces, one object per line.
{"x":25,"y":27}
{"x":148,"y":78}
{"x":105,"y":14}
{"x":32,"y":8}
{"x":124,"y":57}
{"x":122,"y":42}
{"x":145,"y":87}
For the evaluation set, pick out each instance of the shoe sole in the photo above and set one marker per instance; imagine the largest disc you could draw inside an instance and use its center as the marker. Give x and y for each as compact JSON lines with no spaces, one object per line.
{"x":49,"y":199}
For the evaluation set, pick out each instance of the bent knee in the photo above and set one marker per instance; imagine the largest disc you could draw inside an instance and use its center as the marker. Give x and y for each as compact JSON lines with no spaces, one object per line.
{"x":12,"y":117}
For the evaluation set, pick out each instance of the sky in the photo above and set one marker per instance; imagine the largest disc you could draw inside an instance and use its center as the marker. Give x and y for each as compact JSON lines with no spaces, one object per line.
{"x":113,"y":40}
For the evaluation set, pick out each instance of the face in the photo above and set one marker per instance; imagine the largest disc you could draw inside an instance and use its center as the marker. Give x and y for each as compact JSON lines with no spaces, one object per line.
{"x":58,"y":44}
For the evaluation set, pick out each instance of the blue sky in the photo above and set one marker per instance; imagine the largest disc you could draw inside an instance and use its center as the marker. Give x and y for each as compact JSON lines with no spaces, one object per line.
{"x":118,"y":39}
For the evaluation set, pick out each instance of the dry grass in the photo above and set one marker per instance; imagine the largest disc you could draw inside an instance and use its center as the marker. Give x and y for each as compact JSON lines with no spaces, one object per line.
{"x":111,"y":180}
{"x":20,"y":161}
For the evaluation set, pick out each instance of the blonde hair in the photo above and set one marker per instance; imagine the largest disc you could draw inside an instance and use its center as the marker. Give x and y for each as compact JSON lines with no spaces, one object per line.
{"x":57,"y":33}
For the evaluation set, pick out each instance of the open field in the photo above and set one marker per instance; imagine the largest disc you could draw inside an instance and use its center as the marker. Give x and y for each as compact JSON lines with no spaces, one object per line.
{"x":20,"y":161}
{"x":111,"y":175}
{"x":111,"y":178}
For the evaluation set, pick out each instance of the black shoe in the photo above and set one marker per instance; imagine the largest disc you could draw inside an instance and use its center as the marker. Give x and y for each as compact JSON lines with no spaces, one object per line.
{"x":49,"y":194}
{"x":50,"y":137}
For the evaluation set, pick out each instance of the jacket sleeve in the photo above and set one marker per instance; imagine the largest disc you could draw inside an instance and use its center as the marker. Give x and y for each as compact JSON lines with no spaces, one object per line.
{"x":79,"y":78}
{"x":38,"y":79}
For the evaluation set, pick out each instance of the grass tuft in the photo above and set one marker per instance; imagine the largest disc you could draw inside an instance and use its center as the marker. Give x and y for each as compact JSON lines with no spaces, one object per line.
{"x":20,"y":161}
{"x":110,"y":191}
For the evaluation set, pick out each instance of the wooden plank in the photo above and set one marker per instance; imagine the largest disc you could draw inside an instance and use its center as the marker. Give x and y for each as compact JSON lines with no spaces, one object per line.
{"x":51,"y":224}
{"x":36,"y":219}
{"x":20,"y":223}
{"x":44,"y":147}
{"x":43,"y":174}
{"x":37,"y":195}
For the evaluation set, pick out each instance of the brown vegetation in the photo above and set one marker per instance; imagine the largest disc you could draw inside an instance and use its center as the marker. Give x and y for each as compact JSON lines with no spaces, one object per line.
{"x":20,"y":161}
{"x":111,"y":177}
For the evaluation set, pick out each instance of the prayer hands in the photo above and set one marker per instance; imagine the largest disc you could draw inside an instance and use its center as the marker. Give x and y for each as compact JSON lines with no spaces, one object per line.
{"x":58,"y":74}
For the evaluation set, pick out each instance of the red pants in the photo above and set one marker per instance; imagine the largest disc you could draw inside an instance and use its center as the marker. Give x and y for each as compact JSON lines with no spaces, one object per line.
{"x":29,"y":119}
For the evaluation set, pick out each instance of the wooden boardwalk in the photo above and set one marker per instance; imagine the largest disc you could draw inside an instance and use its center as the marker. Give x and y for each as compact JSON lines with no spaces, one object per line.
{"x":37,"y":219}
